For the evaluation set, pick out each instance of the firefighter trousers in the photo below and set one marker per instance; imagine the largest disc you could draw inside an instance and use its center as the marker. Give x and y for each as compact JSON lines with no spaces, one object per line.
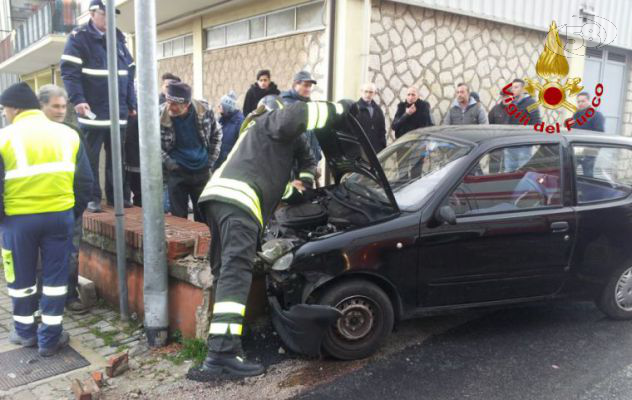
{"x":234,"y":238}
{"x":24,"y":237}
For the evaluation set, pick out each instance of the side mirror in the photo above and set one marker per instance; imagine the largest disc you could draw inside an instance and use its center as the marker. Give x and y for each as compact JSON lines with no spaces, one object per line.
{"x":446,"y":214}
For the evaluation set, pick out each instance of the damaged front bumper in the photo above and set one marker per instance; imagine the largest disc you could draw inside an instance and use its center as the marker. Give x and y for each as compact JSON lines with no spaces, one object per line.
{"x":303,"y":326}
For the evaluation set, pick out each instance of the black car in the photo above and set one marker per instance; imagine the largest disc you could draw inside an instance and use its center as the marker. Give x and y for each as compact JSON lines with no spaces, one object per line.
{"x":449,"y":218}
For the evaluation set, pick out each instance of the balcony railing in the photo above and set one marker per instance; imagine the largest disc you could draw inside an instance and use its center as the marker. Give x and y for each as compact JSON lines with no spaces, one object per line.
{"x":57,"y":16}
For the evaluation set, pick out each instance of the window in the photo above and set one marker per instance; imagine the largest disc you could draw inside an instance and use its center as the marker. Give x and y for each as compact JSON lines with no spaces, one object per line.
{"x":280,"y":22}
{"x":175,"y":47}
{"x":287,"y":21}
{"x":309,"y":16}
{"x":257,"y":27}
{"x":602,"y":172}
{"x":178,"y":46}
{"x":188,"y":44}
{"x":167,"y":49}
{"x":216,"y":37}
{"x":237,"y":32}
{"x":511,"y":179}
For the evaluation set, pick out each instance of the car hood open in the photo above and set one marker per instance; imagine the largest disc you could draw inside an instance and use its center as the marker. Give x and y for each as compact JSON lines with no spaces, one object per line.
{"x":347,"y":149}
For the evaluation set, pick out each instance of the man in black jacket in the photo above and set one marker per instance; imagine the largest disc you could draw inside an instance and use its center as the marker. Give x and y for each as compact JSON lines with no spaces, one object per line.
{"x":370,"y":117}
{"x":238,"y":201}
{"x":498,"y":114}
{"x":411,"y":114}
{"x":522,"y":100}
{"x":260,"y":89}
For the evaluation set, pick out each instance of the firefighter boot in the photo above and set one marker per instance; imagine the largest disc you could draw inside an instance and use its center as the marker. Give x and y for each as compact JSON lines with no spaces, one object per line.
{"x":224,"y":365}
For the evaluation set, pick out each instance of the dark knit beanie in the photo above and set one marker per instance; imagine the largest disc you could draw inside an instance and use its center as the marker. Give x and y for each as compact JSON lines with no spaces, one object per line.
{"x":178,"y":92}
{"x":20,"y":95}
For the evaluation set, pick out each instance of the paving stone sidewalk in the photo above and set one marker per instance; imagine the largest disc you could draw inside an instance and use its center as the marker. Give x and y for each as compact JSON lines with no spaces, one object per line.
{"x":99,"y":333}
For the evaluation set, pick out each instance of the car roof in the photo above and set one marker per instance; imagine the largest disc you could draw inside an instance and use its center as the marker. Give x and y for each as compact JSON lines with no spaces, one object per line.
{"x":482,"y":133}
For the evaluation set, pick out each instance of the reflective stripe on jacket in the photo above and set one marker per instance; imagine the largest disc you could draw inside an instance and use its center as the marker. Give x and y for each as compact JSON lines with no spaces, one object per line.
{"x":84,"y":70}
{"x":39,"y":158}
{"x":256,"y":171}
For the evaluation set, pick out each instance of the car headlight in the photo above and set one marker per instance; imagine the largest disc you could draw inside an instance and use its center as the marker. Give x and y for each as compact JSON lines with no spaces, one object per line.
{"x":274,"y":249}
{"x":283,"y":263}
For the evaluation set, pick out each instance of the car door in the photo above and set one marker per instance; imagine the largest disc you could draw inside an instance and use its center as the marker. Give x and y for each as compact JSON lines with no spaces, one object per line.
{"x":513,"y":237}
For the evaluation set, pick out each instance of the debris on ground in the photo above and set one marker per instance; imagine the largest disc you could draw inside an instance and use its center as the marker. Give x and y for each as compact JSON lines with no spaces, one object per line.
{"x":117,"y":364}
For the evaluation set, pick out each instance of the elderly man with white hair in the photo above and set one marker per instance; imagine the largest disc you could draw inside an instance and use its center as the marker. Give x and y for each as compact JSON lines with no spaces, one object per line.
{"x":54,"y":102}
{"x":370,"y":116}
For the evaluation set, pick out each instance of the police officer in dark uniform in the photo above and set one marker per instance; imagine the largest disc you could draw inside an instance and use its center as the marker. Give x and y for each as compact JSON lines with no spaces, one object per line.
{"x":238,"y":201}
{"x":84,"y":71}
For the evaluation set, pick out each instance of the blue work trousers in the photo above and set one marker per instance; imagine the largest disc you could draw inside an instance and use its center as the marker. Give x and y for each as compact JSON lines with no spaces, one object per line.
{"x":23,"y":238}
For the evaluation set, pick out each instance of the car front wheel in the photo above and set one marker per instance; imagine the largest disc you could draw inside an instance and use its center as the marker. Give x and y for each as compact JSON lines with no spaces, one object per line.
{"x":367,"y":319}
{"x":616,"y":299}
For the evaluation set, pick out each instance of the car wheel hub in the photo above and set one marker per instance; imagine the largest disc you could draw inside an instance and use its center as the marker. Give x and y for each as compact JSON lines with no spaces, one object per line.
{"x":357,"y":318}
{"x":623,"y":290}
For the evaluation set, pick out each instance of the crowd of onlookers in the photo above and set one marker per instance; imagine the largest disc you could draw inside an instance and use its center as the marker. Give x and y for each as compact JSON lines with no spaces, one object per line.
{"x":184,"y":119}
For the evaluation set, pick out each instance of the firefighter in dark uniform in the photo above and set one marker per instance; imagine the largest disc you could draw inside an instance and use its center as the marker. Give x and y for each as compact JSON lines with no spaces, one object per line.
{"x":238,"y":201}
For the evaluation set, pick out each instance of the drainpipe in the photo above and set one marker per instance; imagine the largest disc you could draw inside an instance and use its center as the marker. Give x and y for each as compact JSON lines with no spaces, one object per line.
{"x":117,"y":170}
{"x":330,"y":70}
{"x":332,"y":41}
{"x":155,"y":278}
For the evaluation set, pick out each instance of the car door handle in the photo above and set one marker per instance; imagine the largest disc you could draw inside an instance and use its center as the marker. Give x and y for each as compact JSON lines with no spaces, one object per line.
{"x":561,"y":226}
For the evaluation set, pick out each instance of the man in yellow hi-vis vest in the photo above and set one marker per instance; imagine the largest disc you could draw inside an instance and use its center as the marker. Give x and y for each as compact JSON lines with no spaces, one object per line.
{"x":238,"y":201}
{"x":45,"y":178}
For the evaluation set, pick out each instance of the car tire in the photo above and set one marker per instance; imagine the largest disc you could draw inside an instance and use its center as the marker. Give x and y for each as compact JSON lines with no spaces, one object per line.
{"x":615,"y":299}
{"x":367,"y":319}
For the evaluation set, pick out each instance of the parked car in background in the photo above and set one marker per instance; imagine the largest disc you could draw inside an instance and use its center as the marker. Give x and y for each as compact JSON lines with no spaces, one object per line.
{"x":449,"y":218}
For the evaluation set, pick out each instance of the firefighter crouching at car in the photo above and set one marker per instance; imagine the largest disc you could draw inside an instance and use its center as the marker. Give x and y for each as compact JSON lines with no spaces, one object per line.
{"x":238,"y":201}
{"x":45,"y":179}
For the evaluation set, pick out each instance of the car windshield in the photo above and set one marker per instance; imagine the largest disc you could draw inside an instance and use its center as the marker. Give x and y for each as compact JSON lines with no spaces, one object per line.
{"x":414,"y":166}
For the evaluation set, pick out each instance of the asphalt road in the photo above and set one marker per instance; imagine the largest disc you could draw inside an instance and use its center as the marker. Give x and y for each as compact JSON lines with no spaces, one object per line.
{"x":557,"y":351}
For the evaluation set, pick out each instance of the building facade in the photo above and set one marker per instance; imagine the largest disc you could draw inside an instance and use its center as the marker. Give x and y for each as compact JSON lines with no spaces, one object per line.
{"x":217,"y":46}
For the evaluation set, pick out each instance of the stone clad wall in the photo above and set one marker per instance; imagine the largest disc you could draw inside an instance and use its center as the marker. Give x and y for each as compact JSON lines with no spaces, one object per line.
{"x":181,"y":66}
{"x":236,"y":67}
{"x":435,"y":50}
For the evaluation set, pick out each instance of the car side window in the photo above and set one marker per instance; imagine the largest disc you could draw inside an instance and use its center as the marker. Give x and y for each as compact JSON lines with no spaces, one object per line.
{"x":602,"y":172}
{"x":511,"y":179}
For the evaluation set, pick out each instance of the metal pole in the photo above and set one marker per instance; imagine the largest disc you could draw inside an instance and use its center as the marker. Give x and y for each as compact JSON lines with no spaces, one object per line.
{"x":117,"y":170}
{"x":155,"y":280}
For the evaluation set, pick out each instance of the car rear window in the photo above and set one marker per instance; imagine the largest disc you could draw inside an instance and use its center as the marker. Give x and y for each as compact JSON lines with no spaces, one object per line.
{"x":602,"y":172}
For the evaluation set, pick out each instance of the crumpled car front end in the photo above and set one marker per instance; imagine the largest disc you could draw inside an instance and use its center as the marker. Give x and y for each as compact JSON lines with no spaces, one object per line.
{"x":301,"y":326}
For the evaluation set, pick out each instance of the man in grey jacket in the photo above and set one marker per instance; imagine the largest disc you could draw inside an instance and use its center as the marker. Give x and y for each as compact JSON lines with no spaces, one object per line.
{"x":465,"y":109}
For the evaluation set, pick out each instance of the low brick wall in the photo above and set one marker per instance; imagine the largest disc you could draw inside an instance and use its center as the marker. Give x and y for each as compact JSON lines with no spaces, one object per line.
{"x":190,"y":279}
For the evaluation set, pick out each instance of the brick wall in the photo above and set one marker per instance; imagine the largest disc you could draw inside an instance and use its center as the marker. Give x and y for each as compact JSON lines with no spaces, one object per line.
{"x":190,"y":279}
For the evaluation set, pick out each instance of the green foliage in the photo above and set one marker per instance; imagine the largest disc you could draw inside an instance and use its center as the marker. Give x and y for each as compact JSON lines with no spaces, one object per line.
{"x":192,"y":349}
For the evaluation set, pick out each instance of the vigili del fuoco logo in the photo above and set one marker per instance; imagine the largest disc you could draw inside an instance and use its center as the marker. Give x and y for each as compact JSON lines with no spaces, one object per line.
{"x":554,"y":93}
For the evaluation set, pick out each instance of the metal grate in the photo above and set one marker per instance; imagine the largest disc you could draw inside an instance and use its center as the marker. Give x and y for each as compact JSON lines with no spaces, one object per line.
{"x":616,"y":57}
{"x":25,"y":365}
{"x":592,"y":53}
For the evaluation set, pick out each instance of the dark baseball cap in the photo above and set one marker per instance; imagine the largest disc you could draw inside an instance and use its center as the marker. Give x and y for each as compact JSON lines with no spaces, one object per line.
{"x":99,"y":5}
{"x":304,"y":76}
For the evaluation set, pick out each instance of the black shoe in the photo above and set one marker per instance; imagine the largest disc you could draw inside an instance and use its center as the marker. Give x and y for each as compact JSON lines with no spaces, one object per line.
{"x":15,"y":338}
{"x":220,"y":366}
{"x":51,"y":351}
{"x":94,"y":207}
{"x":76,"y":307}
